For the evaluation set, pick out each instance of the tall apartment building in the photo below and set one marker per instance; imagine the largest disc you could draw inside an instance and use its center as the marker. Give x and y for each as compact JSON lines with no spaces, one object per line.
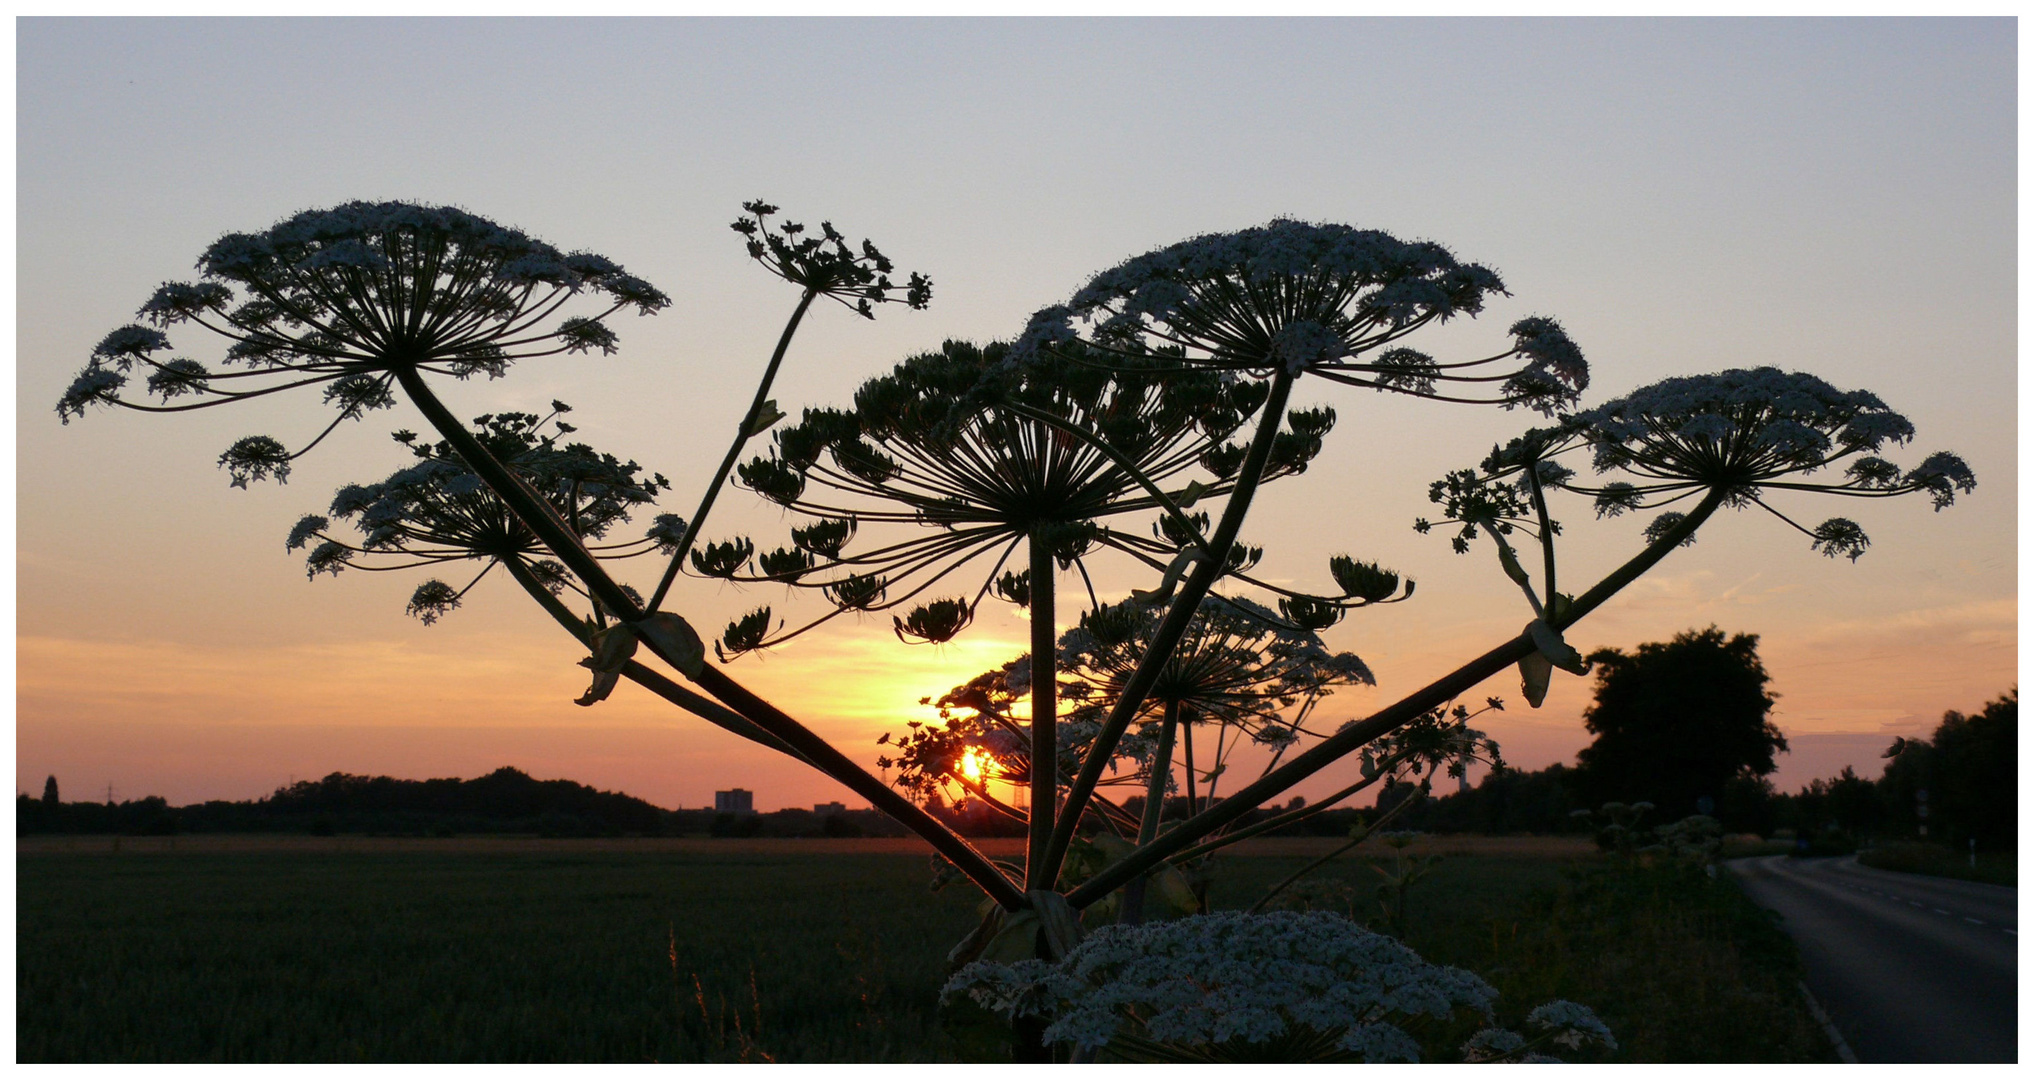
{"x":738,"y":801}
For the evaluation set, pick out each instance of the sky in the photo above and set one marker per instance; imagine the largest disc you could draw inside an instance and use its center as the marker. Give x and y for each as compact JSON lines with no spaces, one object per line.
{"x":1828,"y":196}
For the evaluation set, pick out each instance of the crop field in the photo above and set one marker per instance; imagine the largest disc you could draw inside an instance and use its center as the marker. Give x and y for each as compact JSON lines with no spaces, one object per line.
{"x":351,"y":949}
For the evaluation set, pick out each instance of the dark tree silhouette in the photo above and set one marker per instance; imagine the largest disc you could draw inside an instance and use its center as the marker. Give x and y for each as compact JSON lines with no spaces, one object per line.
{"x":1968,"y":770}
{"x":49,"y":792}
{"x":1677,"y":720}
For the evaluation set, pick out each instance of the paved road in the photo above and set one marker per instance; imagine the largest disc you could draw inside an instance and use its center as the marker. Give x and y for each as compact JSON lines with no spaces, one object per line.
{"x":1909,"y":968}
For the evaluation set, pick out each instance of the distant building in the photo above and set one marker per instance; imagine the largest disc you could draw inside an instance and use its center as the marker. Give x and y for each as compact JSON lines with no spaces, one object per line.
{"x":738,"y":801}
{"x":825,"y":808}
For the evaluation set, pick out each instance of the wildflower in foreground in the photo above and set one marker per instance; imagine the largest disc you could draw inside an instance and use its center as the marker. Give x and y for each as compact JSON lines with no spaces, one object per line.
{"x":1281,"y":985}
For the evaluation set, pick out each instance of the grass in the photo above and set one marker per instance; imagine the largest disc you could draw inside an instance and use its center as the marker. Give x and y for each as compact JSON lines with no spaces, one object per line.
{"x":1993,"y":867}
{"x":1681,"y":966}
{"x":476,"y":957}
{"x":553,"y":952}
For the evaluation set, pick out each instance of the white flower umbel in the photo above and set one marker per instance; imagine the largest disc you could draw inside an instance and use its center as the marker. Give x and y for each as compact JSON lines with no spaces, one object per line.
{"x":1233,"y":977}
{"x":1573,"y":1026}
{"x":1330,"y":300}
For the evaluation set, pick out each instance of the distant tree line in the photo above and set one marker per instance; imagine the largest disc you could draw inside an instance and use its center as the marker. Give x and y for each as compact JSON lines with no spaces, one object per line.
{"x":1968,"y":768}
{"x":506,"y":801}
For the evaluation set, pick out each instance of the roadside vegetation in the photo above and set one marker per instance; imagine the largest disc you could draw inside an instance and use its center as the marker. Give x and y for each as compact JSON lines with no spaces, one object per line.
{"x":1991,"y":867}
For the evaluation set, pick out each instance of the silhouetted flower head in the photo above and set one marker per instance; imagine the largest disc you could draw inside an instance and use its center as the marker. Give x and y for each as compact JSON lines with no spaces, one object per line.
{"x":344,"y":298}
{"x":826,"y":265}
{"x":437,"y":511}
{"x":1239,"y":663}
{"x":941,"y":447}
{"x":1330,"y":300}
{"x":1743,"y":433}
{"x":1438,"y":742}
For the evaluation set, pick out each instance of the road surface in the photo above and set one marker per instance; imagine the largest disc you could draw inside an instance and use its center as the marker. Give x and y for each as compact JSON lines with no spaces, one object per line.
{"x":1909,"y":968}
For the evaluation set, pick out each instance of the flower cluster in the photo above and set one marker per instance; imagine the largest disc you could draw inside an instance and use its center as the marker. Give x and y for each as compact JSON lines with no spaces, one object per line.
{"x":976,"y":459}
{"x":437,"y":511}
{"x":1327,"y":299}
{"x":1239,"y":665}
{"x":1231,"y":980}
{"x":346,"y":298}
{"x":1439,"y":742}
{"x":825,"y":265}
{"x":1740,"y":433}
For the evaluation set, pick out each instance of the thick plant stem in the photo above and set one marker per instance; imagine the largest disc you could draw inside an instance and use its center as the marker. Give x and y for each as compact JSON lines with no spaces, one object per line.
{"x":1186,"y":738}
{"x":1038,"y":874}
{"x":713,"y":712}
{"x":880,"y":795}
{"x":1329,"y":857}
{"x":542,"y":519}
{"x":734,"y":452}
{"x":1385,"y":721}
{"x":1184,"y":606}
{"x":1290,"y":817}
{"x":538,"y":515}
{"x":1154,"y":809}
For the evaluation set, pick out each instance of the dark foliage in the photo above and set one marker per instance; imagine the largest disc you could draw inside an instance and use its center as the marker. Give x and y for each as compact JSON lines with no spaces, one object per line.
{"x":504,"y":801}
{"x":1968,"y":769}
{"x":1676,"y":721}
{"x":1505,"y":801}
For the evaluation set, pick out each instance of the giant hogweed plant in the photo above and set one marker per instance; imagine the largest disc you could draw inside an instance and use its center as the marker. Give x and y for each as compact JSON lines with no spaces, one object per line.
{"x":1179,"y":365}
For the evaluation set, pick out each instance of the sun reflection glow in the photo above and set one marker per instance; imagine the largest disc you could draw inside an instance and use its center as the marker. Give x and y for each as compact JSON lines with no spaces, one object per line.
{"x":974,"y":764}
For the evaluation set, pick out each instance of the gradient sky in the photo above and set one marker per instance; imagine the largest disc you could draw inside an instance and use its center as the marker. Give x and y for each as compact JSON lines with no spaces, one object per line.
{"x":1836,"y":197}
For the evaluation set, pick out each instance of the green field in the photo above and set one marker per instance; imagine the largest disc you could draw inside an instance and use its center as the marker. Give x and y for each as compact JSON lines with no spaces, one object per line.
{"x":553,"y":952}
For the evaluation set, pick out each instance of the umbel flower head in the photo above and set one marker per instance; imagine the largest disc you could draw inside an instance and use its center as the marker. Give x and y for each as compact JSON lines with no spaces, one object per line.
{"x":975,"y":459}
{"x":1239,"y":664}
{"x":346,"y":297}
{"x":1330,"y":300}
{"x":1439,"y":742}
{"x":825,"y":264}
{"x":1273,"y":986}
{"x":437,"y":511}
{"x":1741,"y":433}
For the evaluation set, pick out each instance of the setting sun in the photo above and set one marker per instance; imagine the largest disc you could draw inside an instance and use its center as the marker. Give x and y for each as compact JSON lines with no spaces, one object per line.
{"x":974,"y":764}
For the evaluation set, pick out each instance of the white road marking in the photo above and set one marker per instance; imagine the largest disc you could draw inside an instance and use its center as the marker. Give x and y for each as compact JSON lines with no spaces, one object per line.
{"x":1938,"y":911}
{"x":1973,"y":922}
{"x":2015,"y":933}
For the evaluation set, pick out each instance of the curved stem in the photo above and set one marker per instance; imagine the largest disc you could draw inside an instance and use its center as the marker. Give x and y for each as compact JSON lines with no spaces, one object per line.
{"x":1546,"y":529}
{"x":1291,"y":817}
{"x":1154,"y":806}
{"x":1184,"y":607}
{"x":713,"y":712}
{"x":849,"y":773}
{"x":1330,"y":856}
{"x":1387,"y":720}
{"x":541,"y":519}
{"x":536,"y":513}
{"x":741,"y":439}
{"x":1044,"y":715}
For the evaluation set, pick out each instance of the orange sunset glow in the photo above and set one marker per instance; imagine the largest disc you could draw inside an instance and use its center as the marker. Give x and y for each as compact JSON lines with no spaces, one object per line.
{"x":169,"y":643}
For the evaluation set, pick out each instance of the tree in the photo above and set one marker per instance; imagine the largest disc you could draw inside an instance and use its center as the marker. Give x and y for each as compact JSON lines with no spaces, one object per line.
{"x":49,"y":792}
{"x":1675,"y":721}
{"x":1969,"y":770}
